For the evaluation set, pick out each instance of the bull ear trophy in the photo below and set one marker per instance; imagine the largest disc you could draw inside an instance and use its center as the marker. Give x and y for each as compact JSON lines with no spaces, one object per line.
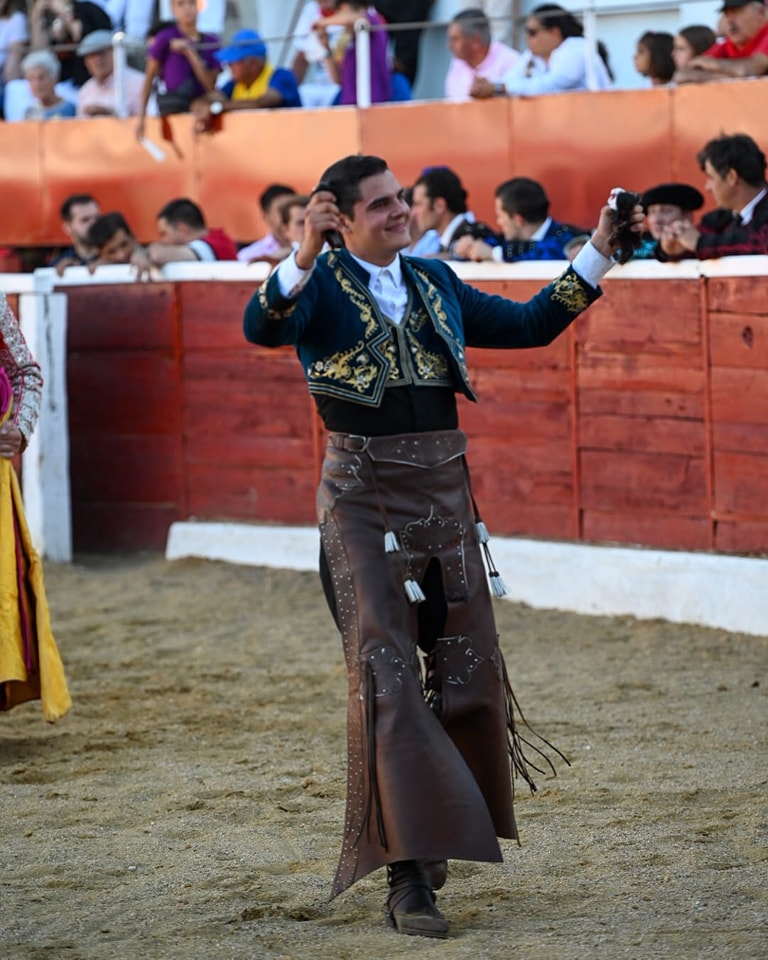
{"x":623,"y":202}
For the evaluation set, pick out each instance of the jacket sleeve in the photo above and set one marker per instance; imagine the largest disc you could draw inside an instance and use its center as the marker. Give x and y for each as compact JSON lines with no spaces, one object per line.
{"x":23,"y":372}
{"x":273,"y":320}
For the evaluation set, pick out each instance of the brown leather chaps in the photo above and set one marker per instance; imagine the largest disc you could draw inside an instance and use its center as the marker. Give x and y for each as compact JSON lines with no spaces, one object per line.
{"x":429,"y":731}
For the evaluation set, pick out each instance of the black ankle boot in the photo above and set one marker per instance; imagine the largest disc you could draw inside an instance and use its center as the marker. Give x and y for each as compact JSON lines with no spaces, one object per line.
{"x":410,"y":906}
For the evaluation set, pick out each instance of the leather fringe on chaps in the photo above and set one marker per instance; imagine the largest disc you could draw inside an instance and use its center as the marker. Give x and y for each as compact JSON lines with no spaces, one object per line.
{"x":430,"y":732}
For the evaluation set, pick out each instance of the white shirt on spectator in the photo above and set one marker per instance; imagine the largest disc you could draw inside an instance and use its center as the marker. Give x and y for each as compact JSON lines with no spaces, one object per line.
{"x":95,"y":93}
{"x":565,"y":70}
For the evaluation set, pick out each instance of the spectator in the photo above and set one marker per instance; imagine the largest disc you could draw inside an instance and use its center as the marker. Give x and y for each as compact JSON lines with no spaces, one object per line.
{"x":41,"y":70}
{"x":474,"y":54}
{"x":292,"y":217}
{"x":98,"y":97}
{"x":743,"y":53}
{"x":14,"y":36}
{"x":78,"y":213}
{"x":405,"y":43}
{"x":184,"y":236}
{"x":424,"y":243}
{"x":182,"y":61}
{"x":558,"y":59}
{"x":341,"y":62}
{"x":255,"y":84}
{"x":440,"y":203}
{"x":316,"y":88}
{"x":665,"y":204}
{"x":653,"y":57}
{"x":274,"y":244}
{"x":64,"y":23}
{"x":691,"y":42}
{"x":734,"y":167}
{"x":528,"y":231}
{"x":113,"y":240}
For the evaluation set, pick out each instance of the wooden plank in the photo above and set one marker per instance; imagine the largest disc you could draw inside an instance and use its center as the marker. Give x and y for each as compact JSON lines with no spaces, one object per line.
{"x":626,"y":371}
{"x":742,"y":536}
{"x":213,"y":314}
{"x":641,"y":481}
{"x":112,"y":318}
{"x":110,"y":528}
{"x":665,"y":531}
{"x":248,"y":493}
{"x":739,"y":395}
{"x":740,"y":437}
{"x":516,"y":518}
{"x":636,"y":403}
{"x":642,"y":434}
{"x":741,"y":481}
{"x":736,"y":295}
{"x":739,"y":340}
{"x":517,"y":423}
{"x":123,"y":468}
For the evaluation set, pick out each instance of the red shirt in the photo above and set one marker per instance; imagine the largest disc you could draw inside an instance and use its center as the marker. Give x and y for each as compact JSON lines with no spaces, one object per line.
{"x":223,"y":246}
{"x":727,"y":49}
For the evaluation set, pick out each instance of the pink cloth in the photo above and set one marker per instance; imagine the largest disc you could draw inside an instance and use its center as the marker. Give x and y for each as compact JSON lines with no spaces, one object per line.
{"x":497,"y":64}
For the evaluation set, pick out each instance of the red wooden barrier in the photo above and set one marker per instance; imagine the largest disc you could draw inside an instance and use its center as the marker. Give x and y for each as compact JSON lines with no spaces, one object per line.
{"x":644,"y":423}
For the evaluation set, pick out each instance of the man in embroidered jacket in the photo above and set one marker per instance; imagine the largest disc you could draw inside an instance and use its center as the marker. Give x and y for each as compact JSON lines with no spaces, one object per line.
{"x":382,"y":341}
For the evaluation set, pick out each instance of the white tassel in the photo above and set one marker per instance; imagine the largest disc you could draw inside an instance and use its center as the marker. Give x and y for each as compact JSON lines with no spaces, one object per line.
{"x":498,"y":587}
{"x":482,"y":532}
{"x":390,"y":542}
{"x":414,"y":592}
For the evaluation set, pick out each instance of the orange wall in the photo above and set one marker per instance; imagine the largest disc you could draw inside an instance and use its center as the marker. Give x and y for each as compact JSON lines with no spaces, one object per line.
{"x":578,"y":144}
{"x":644,"y":423}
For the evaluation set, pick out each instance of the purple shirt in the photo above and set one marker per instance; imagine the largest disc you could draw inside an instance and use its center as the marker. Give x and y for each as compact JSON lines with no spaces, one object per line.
{"x":381,"y":77}
{"x":175,"y":69}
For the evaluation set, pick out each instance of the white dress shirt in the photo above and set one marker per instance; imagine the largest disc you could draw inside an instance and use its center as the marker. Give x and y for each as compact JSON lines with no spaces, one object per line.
{"x":746,"y":212}
{"x":565,"y":70}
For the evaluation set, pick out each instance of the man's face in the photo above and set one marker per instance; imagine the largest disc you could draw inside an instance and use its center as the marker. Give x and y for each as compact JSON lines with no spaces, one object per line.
{"x":294,"y":229}
{"x":660,"y":215}
{"x":744,"y":22}
{"x":458,"y":42}
{"x":378,"y":228}
{"x":247,"y":69}
{"x":100,"y":64}
{"x":82,"y":215}
{"x":721,"y":188}
{"x":541,"y":40}
{"x":176,"y":233}
{"x":508,"y":224}
{"x":184,"y":11}
{"x":423,"y":209}
{"x":119,"y":249}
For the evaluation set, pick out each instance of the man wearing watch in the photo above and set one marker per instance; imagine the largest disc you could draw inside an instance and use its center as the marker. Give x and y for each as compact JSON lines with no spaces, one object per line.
{"x":255,"y":84}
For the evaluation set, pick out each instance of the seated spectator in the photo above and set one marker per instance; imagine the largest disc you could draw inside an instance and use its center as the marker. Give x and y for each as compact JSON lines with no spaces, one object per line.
{"x":528,"y":231}
{"x":424,"y":243}
{"x":275,"y":244}
{"x":440,"y":203}
{"x":405,"y":43}
{"x":743,"y":53}
{"x":98,"y":97}
{"x":63,"y":23}
{"x":113,"y":240}
{"x":653,"y":57}
{"x":182,"y":62}
{"x":78,"y":213}
{"x":292,"y":217}
{"x":665,"y":204}
{"x":474,"y":54}
{"x":255,"y":83}
{"x":14,"y":36}
{"x":690,"y":42}
{"x":341,"y":61}
{"x":558,"y":59}
{"x":734,"y":167}
{"x":316,"y":88}
{"x":41,"y":70}
{"x":184,"y":236}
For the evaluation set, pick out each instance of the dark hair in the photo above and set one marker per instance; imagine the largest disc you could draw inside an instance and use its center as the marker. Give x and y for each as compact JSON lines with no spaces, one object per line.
{"x":75,"y":200}
{"x":12,"y":6}
{"x":104,"y":229}
{"x":474,"y":23}
{"x":738,"y":152}
{"x":659,"y":47}
{"x":550,"y":16}
{"x":443,"y":182}
{"x":699,"y":37}
{"x":183,"y":211}
{"x":272,"y":192}
{"x":525,"y":197}
{"x":343,"y":178}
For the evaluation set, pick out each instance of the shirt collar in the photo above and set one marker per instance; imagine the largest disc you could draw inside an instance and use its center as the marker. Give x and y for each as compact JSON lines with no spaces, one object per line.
{"x":447,"y":235}
{"x":747,"y":211}
{"x":394,"y":270}
{"x":542,"y":231}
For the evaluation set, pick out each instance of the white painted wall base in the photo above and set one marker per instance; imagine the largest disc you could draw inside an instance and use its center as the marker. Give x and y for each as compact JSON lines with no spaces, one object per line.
{"x":706,"y":589}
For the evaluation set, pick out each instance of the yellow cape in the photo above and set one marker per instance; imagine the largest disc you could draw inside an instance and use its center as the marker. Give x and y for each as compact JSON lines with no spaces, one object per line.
{"x":22,"y":591}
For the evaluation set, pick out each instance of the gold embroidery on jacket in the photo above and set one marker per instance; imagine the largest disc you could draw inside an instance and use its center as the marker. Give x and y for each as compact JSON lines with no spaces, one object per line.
{"x":361,"y":299}
{"x":271,"y":311}
{"x":435,"y":304}
{"x":569,"y":291}
{"x":352,"y":367}
{"x":428,"y":365}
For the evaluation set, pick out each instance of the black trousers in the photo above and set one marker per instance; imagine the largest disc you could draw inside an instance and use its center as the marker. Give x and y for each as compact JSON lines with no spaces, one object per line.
{"x":405,"y":42}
